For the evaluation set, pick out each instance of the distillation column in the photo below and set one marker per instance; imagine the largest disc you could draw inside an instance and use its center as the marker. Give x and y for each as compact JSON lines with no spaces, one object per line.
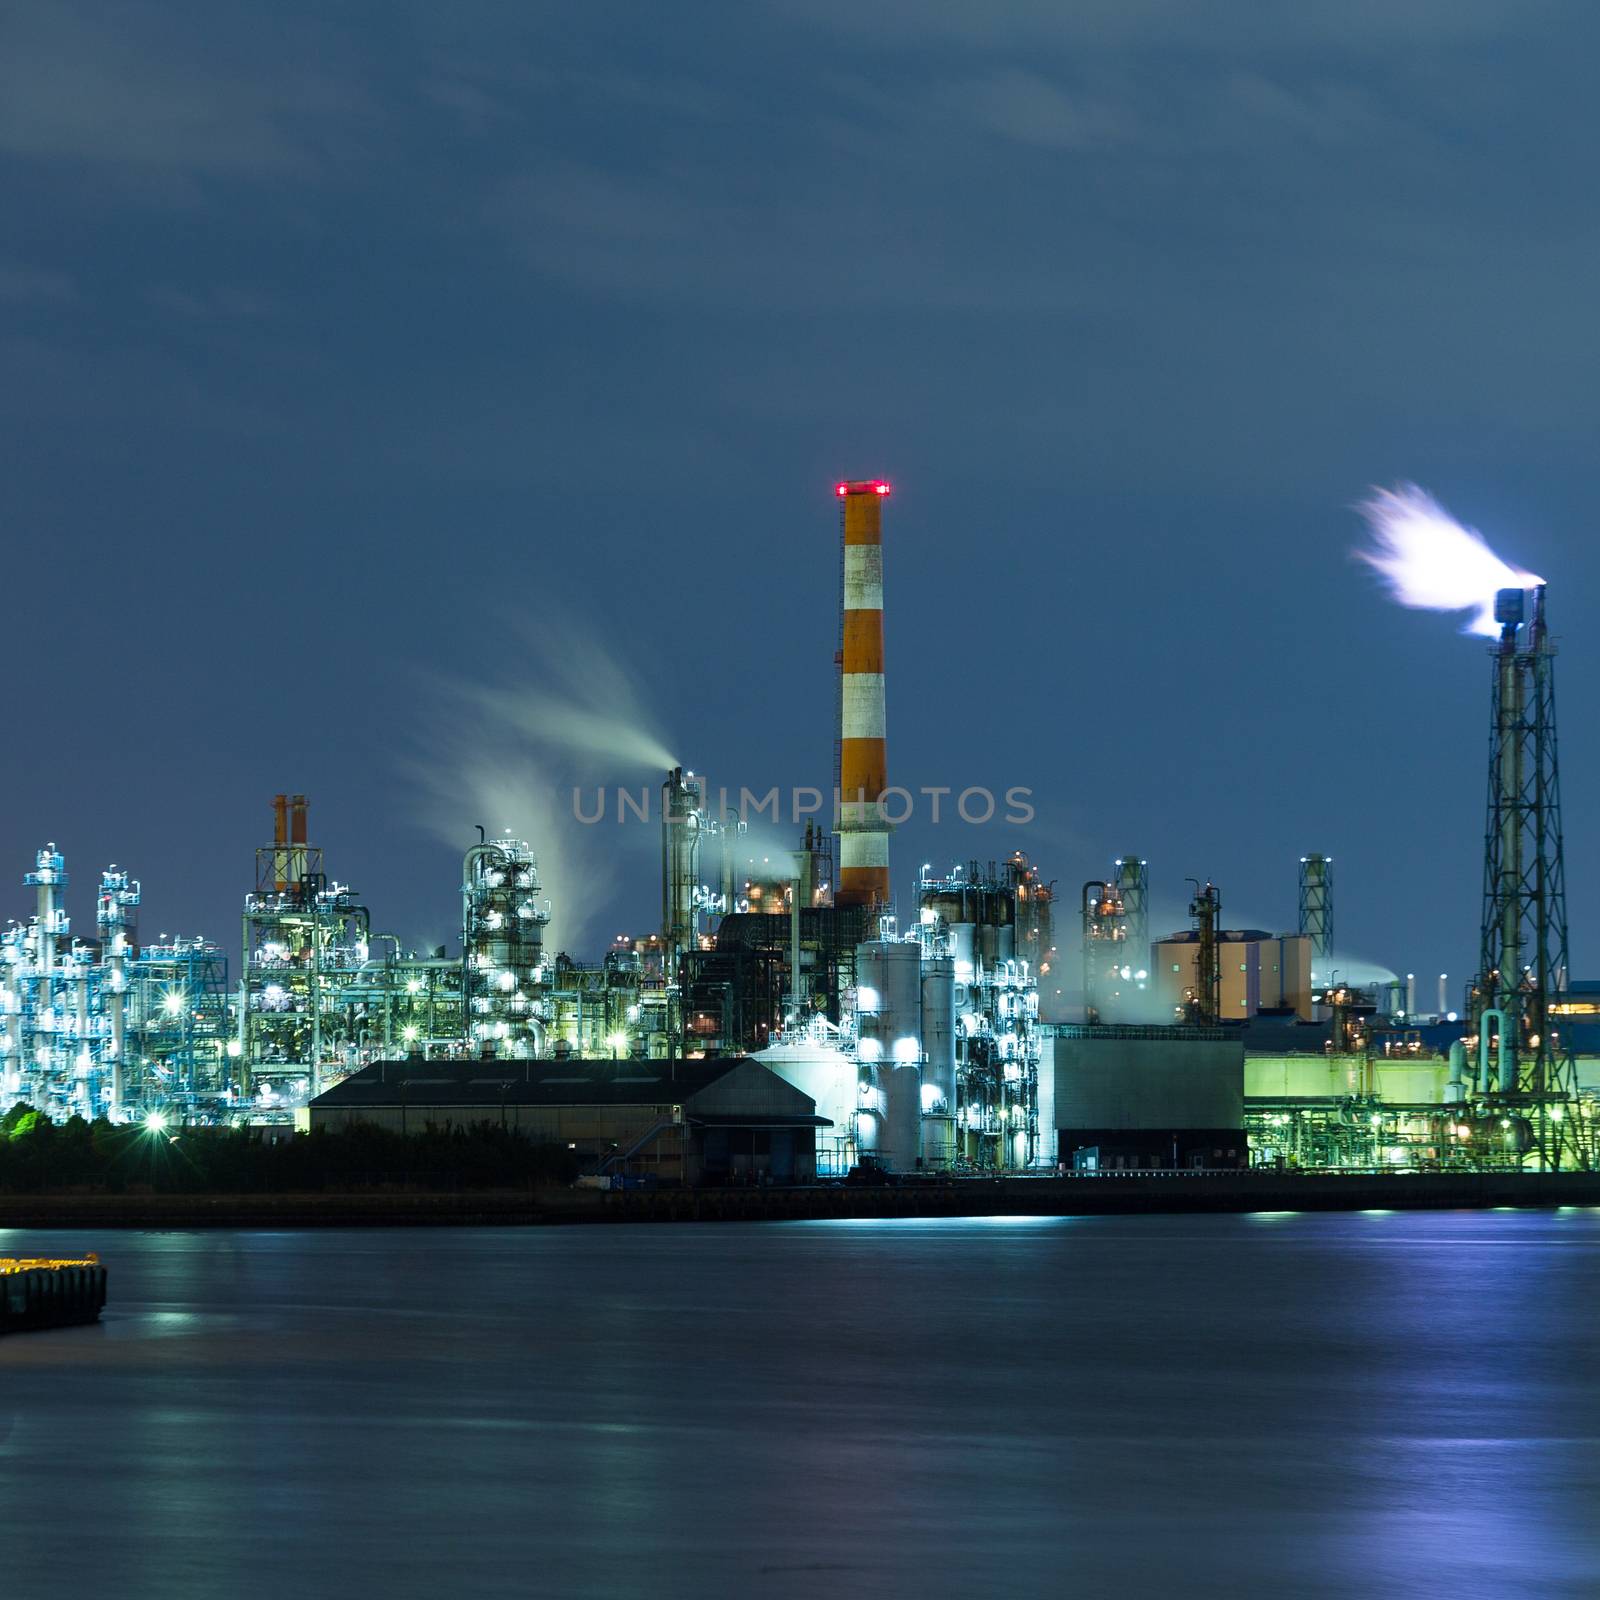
{"x":116,"y":921}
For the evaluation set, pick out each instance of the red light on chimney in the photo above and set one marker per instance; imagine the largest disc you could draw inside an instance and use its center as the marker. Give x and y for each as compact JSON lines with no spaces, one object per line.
{"x":882,"y":488}
{"x":843,"y":489}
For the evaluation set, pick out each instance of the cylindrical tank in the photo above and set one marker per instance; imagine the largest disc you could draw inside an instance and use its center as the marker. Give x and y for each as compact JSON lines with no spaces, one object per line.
{"x":996,"y":930}
{"x":829,"y":1076}
{"x":890,"y":974}
{"x":939,"y":1069}
{"x":964,"y":949}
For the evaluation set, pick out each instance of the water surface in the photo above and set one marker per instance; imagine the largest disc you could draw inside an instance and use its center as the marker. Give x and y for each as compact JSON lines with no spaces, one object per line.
{"x":1290,"y":1405}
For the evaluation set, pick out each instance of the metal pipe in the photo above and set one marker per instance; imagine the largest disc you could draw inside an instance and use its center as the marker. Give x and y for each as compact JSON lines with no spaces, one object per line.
{"x":1504,"y":1063}
{"x":794,"y":952}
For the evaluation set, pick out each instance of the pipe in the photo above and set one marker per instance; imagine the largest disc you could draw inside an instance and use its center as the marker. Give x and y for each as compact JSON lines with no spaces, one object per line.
{"x":794,"y":951}
{"x":1455,"y":1089}
{"x":1506,"y":1067}
{"x":863,"y":832}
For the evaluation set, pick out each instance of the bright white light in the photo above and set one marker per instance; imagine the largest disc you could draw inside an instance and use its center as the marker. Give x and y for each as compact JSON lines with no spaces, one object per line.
{"x":869,"y":1049}
{"x":155,"y":1122}
{"x":907,"y":1050}
{"x":172,"y":1004}
{"x":617,"y":1041}
{"x":235,"y":1049}
{"x":867,"y":999}
{"x":413,"y":985}
{"x":1431,"y":562}
{"x":408,"y":1033}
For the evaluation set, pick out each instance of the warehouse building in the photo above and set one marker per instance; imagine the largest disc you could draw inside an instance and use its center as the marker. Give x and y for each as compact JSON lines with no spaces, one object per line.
{"x":1128,"y":1096}
{"x":716,"y":1120}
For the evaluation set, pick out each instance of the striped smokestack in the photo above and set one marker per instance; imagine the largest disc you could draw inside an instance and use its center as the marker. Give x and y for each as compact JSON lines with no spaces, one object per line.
{"x":863,"y":834}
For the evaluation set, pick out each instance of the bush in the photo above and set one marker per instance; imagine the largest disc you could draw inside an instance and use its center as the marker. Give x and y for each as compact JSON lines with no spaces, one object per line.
{"x":37,"y":1157}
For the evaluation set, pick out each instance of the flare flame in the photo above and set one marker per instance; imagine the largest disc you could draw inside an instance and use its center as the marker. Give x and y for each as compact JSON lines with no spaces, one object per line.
{"x":1431,"y":562}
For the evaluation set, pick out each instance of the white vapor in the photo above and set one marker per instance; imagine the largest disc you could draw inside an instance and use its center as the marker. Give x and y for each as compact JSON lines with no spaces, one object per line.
{"x":1432,"y":562}
{"x":509,"y":754}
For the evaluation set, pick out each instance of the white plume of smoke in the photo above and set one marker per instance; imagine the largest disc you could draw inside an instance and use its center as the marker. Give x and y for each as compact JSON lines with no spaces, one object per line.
{"x":1358,"y":973}
{"x":509,"y":754}
{"x":1431,"y":562}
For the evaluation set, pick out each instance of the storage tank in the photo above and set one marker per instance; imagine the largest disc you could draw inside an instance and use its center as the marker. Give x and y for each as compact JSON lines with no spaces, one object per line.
{"x":997,"y":930}
{"x":823,"y":1071}
{"x":889,"y":1020}
{"x":958,"y":906}
{"x":939,"y":1067}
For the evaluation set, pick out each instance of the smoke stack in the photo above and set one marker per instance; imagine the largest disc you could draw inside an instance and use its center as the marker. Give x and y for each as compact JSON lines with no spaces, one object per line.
{"x":863,"y":834}
{"x":280,"y":839}
{"x":297,"y":838}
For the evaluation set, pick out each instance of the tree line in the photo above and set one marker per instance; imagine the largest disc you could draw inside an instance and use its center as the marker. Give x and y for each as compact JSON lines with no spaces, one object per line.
{"x":38,"y":1156}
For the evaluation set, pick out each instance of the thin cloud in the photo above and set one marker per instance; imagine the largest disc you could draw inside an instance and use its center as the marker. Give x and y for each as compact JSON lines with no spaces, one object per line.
{"x":21,"y":285}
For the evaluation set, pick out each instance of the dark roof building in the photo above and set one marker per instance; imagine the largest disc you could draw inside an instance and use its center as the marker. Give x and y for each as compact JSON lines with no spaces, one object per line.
{"x":709,"y":1120}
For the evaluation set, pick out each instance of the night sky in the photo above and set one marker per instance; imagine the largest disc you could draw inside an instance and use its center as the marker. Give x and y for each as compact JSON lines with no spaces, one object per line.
{"x":425,"y":407}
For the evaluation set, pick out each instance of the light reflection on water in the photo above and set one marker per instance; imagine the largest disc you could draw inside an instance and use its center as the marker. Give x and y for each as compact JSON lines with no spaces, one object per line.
{"x":1284,"y":1405}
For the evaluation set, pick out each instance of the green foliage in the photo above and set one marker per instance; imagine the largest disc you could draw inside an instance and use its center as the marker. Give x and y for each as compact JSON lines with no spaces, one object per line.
{"x":38,"y":1157}
{"x":20,"y":1119}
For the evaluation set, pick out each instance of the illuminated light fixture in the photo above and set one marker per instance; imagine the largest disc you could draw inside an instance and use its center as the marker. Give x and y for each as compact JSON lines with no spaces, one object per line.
{"x":617,"y":1041}
{"x":870,"y":1049}
{"x":907,"y":1050}
{"x":155,"y":1122}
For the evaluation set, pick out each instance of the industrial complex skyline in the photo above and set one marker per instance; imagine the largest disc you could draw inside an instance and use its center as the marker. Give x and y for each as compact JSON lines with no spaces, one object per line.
{"x":358,"y":393}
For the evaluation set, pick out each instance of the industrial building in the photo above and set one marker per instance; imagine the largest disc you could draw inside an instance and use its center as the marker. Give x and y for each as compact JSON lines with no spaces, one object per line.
{"x":1127,"y":1096}
{"x":92,"y":1027}
{"x":718,"y":1119}
{"x":910,"y":1036}
{"x":1256,"y":972}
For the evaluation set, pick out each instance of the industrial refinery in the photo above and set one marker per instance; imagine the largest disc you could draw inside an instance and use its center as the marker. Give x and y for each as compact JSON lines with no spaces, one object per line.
{"x":934,"y":1033}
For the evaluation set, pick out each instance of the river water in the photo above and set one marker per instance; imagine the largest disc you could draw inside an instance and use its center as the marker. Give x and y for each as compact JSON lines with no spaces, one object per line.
{"x":1275,"y":1405}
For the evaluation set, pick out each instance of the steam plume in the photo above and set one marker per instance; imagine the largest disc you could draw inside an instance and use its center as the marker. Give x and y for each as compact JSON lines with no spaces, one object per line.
{"x":1432,"y":562}
{"x":508,"y":753}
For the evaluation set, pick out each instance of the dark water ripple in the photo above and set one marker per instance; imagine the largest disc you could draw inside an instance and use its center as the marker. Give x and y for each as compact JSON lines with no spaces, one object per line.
{"x":1320,"y":1406}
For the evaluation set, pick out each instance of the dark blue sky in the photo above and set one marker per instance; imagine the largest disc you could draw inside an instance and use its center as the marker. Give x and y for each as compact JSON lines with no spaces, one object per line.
{"x":385,"y":383}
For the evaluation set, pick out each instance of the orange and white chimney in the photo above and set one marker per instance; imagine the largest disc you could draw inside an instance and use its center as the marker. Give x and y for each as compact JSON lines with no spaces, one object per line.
{"x":863,"y":773}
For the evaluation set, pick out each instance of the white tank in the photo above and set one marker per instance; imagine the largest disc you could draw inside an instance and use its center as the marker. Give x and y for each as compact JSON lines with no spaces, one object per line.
{"x":939,"y":1068}
{"x":964,"y":948}
{"x":828,"y":1075}
{"x":889,"y":1002}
